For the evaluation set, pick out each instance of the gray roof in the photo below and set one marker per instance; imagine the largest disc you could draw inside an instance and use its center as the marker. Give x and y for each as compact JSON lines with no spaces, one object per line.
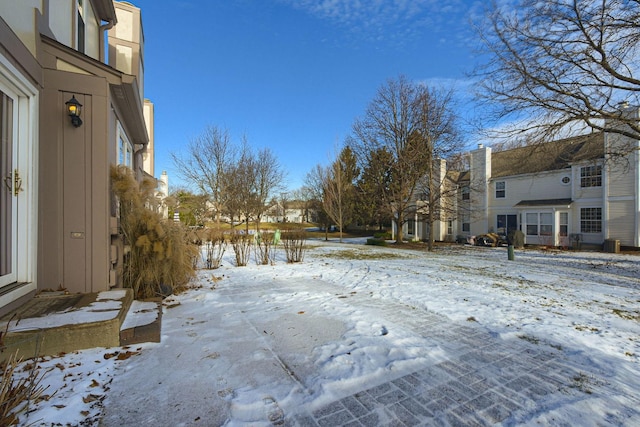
{"x":538,"y":158}
{"x":548,"y":156}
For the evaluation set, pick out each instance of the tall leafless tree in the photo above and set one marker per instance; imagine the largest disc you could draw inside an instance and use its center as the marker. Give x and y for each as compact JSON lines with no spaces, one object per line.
{"x":438,"y":131}
{"x":561,"y":64}
{"x":339,"y":189}
{"x":269,"y":180}
{"x":314,"y":184}
{"x":204,"y":162}
{"x":409,"y":121}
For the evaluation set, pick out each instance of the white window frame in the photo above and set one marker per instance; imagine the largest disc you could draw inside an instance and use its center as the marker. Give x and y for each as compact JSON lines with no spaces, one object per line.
{"x":501,"y":189}
{"x":25,"y":131}
{"x":125,"y":148}
{"x":591,"y":176}
{"x":590,"y":220}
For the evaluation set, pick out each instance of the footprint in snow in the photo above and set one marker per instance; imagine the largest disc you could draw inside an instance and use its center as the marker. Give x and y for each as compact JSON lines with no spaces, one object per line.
{"x":384,"y":331}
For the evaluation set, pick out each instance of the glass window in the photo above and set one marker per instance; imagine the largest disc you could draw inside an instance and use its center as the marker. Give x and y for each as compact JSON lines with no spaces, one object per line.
{"x":532,"y":224}
{"x":546,"y":224}
{"x":466,"y":226}
{"x":591,"y":176}
{"x":411,"y":226}
{"x":465,"y":193}
{"x":450,"y":227}
{"x":564,"y":224}
{"x":591,"y":220}
{"x":500,"y":190}
{"x":125,"y":149}
{"x":81,"y":30}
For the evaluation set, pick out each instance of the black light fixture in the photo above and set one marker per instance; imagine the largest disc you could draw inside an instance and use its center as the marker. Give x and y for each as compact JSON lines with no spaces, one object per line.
{"x":74,"y":109}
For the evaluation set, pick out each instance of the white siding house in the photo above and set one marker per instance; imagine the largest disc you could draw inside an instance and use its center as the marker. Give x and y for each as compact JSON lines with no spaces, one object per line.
{"x":570,"y":192}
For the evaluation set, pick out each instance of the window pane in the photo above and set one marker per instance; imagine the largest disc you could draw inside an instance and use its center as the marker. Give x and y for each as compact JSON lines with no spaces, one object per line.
{"x":591,"y":220}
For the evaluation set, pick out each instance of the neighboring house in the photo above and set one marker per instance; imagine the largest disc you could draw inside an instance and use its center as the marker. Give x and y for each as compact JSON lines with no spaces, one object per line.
{"x":563,"y":193}
{"x":295,"y":211}
{"x":58,"y":218}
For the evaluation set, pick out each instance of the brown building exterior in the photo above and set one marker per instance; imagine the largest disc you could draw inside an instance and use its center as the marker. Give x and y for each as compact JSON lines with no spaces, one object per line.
{"x":58,"y":218}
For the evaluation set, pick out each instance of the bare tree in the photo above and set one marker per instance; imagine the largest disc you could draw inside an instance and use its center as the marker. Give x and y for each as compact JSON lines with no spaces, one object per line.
{"x":314,"y":183}
{"x":411,"y":122}
{"x":339,"y":189}
{"x":204,"y":163}
{"x":562,"y":64}
{"x":438,"y":132}
{"x":269,"y":180}
{"x":250,"y":182}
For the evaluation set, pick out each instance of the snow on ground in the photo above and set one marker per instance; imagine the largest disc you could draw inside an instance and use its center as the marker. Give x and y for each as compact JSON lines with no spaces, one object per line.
{"x":283,"y":337}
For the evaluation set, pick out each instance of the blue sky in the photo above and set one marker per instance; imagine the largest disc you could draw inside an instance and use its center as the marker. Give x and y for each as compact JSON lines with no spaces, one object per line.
{"x":291,"y":75}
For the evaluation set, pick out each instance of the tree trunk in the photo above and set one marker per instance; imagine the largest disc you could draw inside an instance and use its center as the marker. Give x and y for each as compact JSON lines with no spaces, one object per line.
{"x":399,"y":223}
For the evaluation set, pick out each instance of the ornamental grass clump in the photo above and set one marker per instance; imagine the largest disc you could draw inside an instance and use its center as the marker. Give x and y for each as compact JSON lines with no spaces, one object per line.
{"x":158,"y":258}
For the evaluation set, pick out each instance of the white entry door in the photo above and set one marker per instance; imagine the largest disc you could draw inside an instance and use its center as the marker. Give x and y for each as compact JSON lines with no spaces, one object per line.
{"x":10,"y":188}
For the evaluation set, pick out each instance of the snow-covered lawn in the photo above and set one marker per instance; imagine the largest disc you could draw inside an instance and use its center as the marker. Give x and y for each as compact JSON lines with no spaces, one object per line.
{"x":259,"y":344}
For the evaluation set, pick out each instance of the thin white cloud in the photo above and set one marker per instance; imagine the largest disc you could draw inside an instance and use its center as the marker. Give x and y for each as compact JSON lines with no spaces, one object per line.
{"x":393,"y":21}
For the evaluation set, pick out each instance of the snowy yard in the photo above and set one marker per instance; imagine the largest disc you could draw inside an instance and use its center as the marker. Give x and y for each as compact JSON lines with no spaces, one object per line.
{"x":352,"y":324}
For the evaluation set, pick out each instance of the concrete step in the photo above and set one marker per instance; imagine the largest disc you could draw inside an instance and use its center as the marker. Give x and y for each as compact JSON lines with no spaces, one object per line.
{"x":143,"y":322}
{"x":54,"y":323}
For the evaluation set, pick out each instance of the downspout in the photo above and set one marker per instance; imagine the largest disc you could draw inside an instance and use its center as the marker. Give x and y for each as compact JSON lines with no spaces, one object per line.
{"x":103,"y":29}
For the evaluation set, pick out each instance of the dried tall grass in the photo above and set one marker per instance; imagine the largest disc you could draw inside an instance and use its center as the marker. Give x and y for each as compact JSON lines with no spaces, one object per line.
{"x":158,"y":256}
{"x":16,"y":391}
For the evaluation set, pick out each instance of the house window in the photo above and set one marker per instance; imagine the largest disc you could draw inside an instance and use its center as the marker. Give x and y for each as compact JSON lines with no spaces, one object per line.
{"x":465,"y":193}
{"x":81,"y":27}
{"x":411,"y":224}
{"x":506,"y":223}
{"x":546,"y":224}
{"x":539,"y":223}
{"x":591,"y":176}
{"x":501,"y":191}
{"x":532,"y":224}
{"x":564,"y":224}
{"x":450,"y":227}
{"x":591,"y":220}
{"x":125,"y":149}
{"x":466,"y":226}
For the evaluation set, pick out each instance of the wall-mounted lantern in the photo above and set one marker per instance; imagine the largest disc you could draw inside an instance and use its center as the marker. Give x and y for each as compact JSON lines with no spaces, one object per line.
{"x":74,"y":109}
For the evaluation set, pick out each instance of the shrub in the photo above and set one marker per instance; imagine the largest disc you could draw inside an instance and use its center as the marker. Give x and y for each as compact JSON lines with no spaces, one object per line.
{"x":158,"y":257}
{"x":215,"y":246}
{"x":293,"y":243}
{"x":384,"y":235}
{"x":264,"y":249}
{"x":376,"y":242}
{"x":241,"y":244}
